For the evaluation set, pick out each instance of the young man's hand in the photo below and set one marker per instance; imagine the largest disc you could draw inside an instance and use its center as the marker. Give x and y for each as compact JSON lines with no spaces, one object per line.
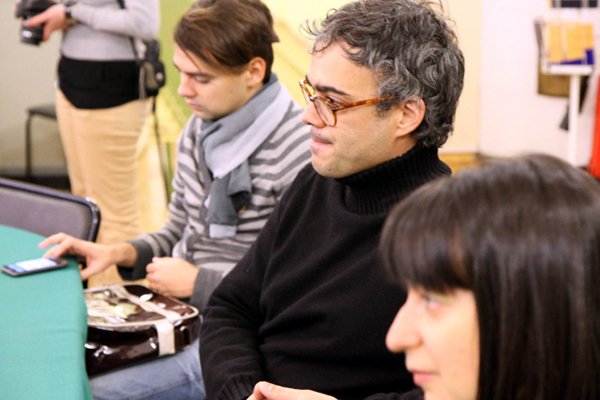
{"x":171,"y":276}
{"x":97,"y":257}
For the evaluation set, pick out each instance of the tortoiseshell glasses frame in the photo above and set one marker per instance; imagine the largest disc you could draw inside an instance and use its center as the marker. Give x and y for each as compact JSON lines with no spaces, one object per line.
{"x":326,"y":109}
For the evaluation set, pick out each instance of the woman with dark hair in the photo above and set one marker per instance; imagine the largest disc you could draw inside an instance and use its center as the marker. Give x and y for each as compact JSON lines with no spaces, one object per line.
{"x":502,"y":270}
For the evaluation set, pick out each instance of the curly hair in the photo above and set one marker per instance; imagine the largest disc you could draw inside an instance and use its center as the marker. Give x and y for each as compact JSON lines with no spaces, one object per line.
{"x":412,"y":51}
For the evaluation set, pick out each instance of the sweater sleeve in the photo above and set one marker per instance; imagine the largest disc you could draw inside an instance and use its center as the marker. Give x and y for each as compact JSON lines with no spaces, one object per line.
{"x":230,"y":354}
{"x":140,"y":18}
{"x":162,"y":242}
{"x":157,"y":244}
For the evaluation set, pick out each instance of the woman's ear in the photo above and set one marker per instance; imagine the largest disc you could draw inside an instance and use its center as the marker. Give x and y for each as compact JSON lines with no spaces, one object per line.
{"x":256,"y":70}
{"x":413,"y":112}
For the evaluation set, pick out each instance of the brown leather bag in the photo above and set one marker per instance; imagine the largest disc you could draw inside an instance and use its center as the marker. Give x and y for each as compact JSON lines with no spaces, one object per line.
{"x":129,"y":323}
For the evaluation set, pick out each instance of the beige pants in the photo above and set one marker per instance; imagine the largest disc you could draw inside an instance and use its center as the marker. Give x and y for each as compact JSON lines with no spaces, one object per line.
{"x":102,"y":148}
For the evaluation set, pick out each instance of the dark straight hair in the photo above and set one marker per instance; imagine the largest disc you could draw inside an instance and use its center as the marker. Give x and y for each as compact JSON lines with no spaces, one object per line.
{"x":524,"y":236}
{"x":228,"y":34}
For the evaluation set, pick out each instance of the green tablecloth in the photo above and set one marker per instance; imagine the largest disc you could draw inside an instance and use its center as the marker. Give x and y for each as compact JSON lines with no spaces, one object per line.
{"x":43,"y":327}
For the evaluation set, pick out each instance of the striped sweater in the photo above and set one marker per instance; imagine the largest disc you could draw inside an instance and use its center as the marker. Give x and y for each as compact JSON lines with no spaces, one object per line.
{"x":273,"y":167}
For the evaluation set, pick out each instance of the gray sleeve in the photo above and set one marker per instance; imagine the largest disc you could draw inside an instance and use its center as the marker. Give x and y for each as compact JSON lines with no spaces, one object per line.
{"x":140,"y":18}
{"x":162,"y":242}
{"x":206,"y":282}
{"x":144,"y":257}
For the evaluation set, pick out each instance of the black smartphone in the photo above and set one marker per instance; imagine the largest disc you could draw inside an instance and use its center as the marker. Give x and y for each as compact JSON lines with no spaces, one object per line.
{"x":32,"y":266}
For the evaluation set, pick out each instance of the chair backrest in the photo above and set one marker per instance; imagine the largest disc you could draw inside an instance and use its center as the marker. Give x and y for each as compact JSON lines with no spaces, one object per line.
{"x":47,"y":211}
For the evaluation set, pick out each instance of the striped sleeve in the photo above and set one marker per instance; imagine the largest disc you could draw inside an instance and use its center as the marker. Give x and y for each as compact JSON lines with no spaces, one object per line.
{"x":185,"y":200}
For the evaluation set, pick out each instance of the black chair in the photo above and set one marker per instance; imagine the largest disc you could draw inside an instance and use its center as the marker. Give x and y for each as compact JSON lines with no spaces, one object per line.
{"x":47,"y":211}
{"x":46,"y":111}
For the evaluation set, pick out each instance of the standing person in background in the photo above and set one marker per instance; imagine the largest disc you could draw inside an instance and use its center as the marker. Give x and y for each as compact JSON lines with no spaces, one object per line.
{"x":237,"y":155}
{"x":100,"y":113}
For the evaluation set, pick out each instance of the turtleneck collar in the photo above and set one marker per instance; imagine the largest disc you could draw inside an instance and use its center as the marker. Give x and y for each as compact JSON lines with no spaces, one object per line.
{"x":377,"y":189}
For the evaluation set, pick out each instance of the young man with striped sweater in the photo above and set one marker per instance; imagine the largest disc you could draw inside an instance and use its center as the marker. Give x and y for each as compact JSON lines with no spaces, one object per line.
{"x":237,"y":154}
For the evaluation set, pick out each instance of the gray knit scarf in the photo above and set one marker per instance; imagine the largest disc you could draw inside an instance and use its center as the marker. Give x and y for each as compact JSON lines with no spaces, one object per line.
{"x":227,"y":143}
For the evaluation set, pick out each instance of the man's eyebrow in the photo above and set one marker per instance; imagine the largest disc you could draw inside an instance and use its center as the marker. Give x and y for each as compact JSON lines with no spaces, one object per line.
{"x":194,"y":74}
{"x":326,"y":89}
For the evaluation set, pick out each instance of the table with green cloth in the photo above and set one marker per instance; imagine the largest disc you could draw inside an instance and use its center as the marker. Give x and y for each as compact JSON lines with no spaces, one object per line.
{"x":43,"y":326}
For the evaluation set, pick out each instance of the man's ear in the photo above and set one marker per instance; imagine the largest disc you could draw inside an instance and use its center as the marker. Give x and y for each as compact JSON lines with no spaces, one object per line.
{"x":256,"y":70}
{"x":413,"y":112}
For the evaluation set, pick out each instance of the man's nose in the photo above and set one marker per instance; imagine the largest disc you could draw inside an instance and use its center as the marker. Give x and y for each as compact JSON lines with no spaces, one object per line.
{"x":185,"y":89}
{"x":310,"y":116}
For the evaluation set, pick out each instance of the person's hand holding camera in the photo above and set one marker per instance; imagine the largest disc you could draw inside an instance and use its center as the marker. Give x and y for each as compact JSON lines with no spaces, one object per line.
{"x":54,"y":18}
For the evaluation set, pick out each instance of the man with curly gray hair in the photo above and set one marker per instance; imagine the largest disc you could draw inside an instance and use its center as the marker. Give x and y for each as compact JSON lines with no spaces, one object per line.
{"x":412,"y":54}
{"x":306,"y":307}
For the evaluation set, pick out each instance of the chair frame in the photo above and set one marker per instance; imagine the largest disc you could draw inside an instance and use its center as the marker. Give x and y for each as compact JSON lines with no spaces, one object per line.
{"x":45,"y":194}
{"x":47,"y":111}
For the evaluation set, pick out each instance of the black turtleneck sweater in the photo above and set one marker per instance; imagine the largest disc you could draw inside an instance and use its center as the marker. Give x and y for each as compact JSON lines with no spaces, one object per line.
{"x":308,"y":307}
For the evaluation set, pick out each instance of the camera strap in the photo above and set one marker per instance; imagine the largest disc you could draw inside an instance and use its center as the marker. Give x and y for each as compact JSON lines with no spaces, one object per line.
{"x":163,"y":163}
{"x":135,"y":53}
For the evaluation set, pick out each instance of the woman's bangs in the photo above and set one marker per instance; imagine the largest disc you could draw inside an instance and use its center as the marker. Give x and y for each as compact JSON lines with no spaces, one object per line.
{"x":423,"y":245}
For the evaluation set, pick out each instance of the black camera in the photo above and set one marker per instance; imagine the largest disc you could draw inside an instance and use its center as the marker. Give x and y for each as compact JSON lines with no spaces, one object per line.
{"x":27,"y":9}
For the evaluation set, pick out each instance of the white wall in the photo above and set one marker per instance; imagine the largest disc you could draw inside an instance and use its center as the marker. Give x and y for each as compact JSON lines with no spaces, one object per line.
{"x":26,"y":78}
{"x":514,"y":118}
{"x":467,"y":17}
{"x":500,"y":112}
